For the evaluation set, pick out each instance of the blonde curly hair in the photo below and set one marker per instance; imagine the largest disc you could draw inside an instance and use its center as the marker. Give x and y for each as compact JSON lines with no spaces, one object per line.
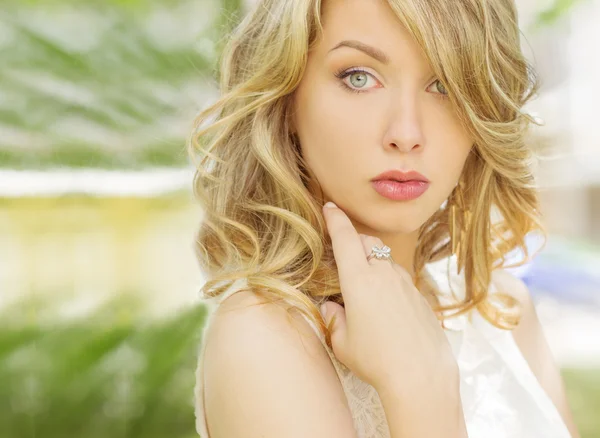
{"x":261,"y":222}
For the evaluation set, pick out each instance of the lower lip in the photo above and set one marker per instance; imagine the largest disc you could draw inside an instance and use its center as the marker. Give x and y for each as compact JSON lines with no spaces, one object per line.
{"x":400,"y":191}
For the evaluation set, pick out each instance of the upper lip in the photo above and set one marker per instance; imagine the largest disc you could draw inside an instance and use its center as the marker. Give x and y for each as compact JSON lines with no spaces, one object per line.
{"x":399,"y":175}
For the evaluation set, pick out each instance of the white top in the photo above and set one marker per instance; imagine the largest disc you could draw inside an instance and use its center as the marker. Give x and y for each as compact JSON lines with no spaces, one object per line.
{"x":501,"y":396}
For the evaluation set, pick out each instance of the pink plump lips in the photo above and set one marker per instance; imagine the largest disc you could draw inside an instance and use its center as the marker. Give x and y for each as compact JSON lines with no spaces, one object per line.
{"x":399,"y":185}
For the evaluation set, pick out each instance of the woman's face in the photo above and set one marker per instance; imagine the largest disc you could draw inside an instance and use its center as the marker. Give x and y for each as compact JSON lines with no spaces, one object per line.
{"x":357,"y":116}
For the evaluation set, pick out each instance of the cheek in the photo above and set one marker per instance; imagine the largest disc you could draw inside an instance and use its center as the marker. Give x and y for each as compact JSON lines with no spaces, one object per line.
{"x":451,"y":164}
{"x":448,"y":155}
{"x":330,"y":136}
{"x":452,"y":145}
{"x":463,"y":144}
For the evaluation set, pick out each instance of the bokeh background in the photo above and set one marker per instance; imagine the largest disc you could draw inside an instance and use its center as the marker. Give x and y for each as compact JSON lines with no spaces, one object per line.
{"x":99,"y":315}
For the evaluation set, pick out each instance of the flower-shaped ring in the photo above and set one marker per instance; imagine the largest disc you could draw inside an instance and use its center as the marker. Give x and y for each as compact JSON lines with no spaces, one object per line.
{"x":384,"y":253}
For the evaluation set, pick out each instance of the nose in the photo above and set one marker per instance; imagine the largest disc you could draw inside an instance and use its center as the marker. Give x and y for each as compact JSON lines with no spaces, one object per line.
{"x":404,"y":129}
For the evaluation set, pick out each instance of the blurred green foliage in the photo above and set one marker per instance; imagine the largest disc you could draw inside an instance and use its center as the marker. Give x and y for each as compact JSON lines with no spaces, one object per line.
{"x":108,"y":375}
{"x":558,"y":9}
{"x":583,"y":393}
{"x":106,"y":84}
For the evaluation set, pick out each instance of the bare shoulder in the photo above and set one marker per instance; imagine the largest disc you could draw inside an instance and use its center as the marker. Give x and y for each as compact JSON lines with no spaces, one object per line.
{"x":267,"y":374}
{"x":510,"y":284}
{"x":531,"y":340}
{"x":528,"y":334}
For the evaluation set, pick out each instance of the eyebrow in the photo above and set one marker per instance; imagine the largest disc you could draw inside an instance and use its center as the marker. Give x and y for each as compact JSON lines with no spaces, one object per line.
{"x":369,"y":50}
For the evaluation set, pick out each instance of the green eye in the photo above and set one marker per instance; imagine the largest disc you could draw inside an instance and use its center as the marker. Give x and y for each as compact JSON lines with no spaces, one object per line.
{"x":360,"y":82}
{"x":440,"y":87}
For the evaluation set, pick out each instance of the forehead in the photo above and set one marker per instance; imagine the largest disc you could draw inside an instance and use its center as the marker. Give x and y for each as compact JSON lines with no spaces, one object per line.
{"x":372,"y":22}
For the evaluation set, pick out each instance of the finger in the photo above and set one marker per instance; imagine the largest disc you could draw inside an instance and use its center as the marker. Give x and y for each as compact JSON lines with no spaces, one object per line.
{"x":345,"y":241}
{"x":403,"y":273}
{"x":369,"y":242}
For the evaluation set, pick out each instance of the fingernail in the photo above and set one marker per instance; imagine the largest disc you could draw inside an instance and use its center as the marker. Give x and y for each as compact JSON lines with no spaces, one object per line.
{"x":330,"y":205}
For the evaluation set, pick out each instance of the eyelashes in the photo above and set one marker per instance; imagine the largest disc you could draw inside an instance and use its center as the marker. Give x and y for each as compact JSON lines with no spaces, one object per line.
{"x":344,"y":73}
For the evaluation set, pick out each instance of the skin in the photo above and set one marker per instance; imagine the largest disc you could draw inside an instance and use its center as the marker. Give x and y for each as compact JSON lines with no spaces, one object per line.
{"x":400,"y":119}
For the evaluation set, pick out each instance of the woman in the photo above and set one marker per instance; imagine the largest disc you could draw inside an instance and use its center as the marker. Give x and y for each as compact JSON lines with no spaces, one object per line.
{"x":406,"y":114}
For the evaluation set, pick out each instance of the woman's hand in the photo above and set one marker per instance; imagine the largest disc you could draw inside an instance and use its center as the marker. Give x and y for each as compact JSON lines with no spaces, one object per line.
{"x":387,"y":333}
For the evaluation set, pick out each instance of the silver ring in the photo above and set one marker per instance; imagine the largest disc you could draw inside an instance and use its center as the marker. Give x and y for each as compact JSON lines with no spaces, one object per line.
{"x":384,"y":253}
